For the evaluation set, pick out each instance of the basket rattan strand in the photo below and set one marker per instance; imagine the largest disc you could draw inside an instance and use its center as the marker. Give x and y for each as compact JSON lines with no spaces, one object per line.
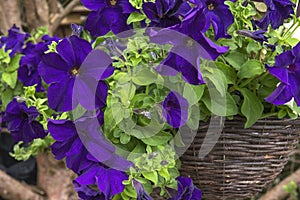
{"x":243,"y":161}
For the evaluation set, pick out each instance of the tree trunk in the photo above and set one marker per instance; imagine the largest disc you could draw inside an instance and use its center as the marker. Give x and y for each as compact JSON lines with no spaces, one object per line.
{"x":9,"y":14}
{"x":54,"y":179}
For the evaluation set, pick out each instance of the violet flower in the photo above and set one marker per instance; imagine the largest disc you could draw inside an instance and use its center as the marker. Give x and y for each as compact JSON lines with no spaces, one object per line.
{"x":165,"y":13}
{"x":217,"y":14}
{"x":287,"y":70}
{"x":141,"y":193}
{"x":108,"y":180}
{"x":189,"y":45}
{"x":14,"y":41}
{"x":187,"y":190}
{"x":74,"y":73}
{"x":107,"y":15}
{"x":277,"y":12}
{"x":20,"y":121}
{"x":76,"y":29}
{"x":28,"y":70}
{"x":82,"y":144}
{"x":175,"y":109}
{"x":68,"y":144}
{"x":86,"y":193}
{"x":255,"y":35}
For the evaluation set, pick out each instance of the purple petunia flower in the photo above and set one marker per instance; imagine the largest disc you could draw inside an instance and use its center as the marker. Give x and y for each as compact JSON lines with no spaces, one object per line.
{"x":76,"y":29}
{"x":165,"y":13}
{"x":86,"y":193}
{"x":28,"y":70}
{"x":189,"y":45}
{"x":217,"y":14}
{"x":256,"y":35}
{"x":109,"y":181}
{"x":14,"y":41}
{"x":287,"y":70}
{"x":187,"y":190}
{"x":82,"y":144}
{"x":107,"y":15}
{"x":20,"y":121}
{"x":68,"y":144}
{"x":277,"y":12}
{"x":74,"y":73}
{"x":175,"y":109}
{"x":141,"y":193}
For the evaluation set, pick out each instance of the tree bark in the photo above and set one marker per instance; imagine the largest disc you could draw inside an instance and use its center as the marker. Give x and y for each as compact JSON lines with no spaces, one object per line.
{"x":54,"y":179}
{"x":11,"y":188}
{"x":37,"y":13}
{"x":9,"y":14}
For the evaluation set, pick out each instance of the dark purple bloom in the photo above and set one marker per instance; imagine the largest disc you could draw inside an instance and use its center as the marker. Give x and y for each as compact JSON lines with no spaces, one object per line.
{"x":109,"y":181}
{"x":256,"y":35}
{"x":165,"y":13}
{"x":141,"y":193}
{"x":48,"y":39}
{"x":28,"y":70}
{"x":68,"y":144}
{"x":189,"y":45}
{"x":187,"y":190}
{"x":175,"y":109}
{"x":277,"y":12}
{"x":217,"y":14}
{"x":14,"y":41}
{"x":287,"y":70}
{"x":74,"y":73}
{"x":76,"y":29}
{"x":86,"y":193}
{"x":107,"y":15}
{"x":20,"y":121}
{"x":82,"y":144}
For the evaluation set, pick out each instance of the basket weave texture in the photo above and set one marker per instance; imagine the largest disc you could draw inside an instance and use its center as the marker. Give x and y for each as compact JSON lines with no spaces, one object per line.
{"x":243,"y":161}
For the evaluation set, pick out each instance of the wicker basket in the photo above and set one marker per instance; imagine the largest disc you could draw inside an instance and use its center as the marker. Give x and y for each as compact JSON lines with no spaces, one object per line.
{"x":243,"y":161}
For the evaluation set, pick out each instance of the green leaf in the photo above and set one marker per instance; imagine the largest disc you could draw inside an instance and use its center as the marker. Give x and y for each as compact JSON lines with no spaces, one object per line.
{"x":152,"y":176}
{"x":218,"y":104}
{"x":124,"y":139}
{"x":236,"y":59}
{"x":164,"y":173}
{"x":109,"y":121}
{"x":193,"y":93}
{"x":216,"y":80}
{"x":14,"y":64}
{"x":228,"y":71}
{"x":252,"y":107}
{"x":135,"y":17}
{"x":292,"y":41}
{"x":194,"y":117}
{"x":4,"y":55}
{"x":250,"y":69}
{"x":160,"y":138}
{"x":10,"y":78}
{"x":6,"y":97}
{"x":253,"y":47}
{"x":144,"y":77}
{"x":136,"y":152}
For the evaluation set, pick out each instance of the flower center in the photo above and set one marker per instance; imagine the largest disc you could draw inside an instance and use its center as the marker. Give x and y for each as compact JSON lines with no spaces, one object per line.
{"x":25,"y":115}
{"x":189,"y":42}
{"x":74,"y":71}
{"x":113,"y":2}
{"x":292,"y":68}
{"x":210,"y":6}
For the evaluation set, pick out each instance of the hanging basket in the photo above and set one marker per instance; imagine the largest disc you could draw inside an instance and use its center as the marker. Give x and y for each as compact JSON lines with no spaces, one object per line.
{"x":243,"y":161}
